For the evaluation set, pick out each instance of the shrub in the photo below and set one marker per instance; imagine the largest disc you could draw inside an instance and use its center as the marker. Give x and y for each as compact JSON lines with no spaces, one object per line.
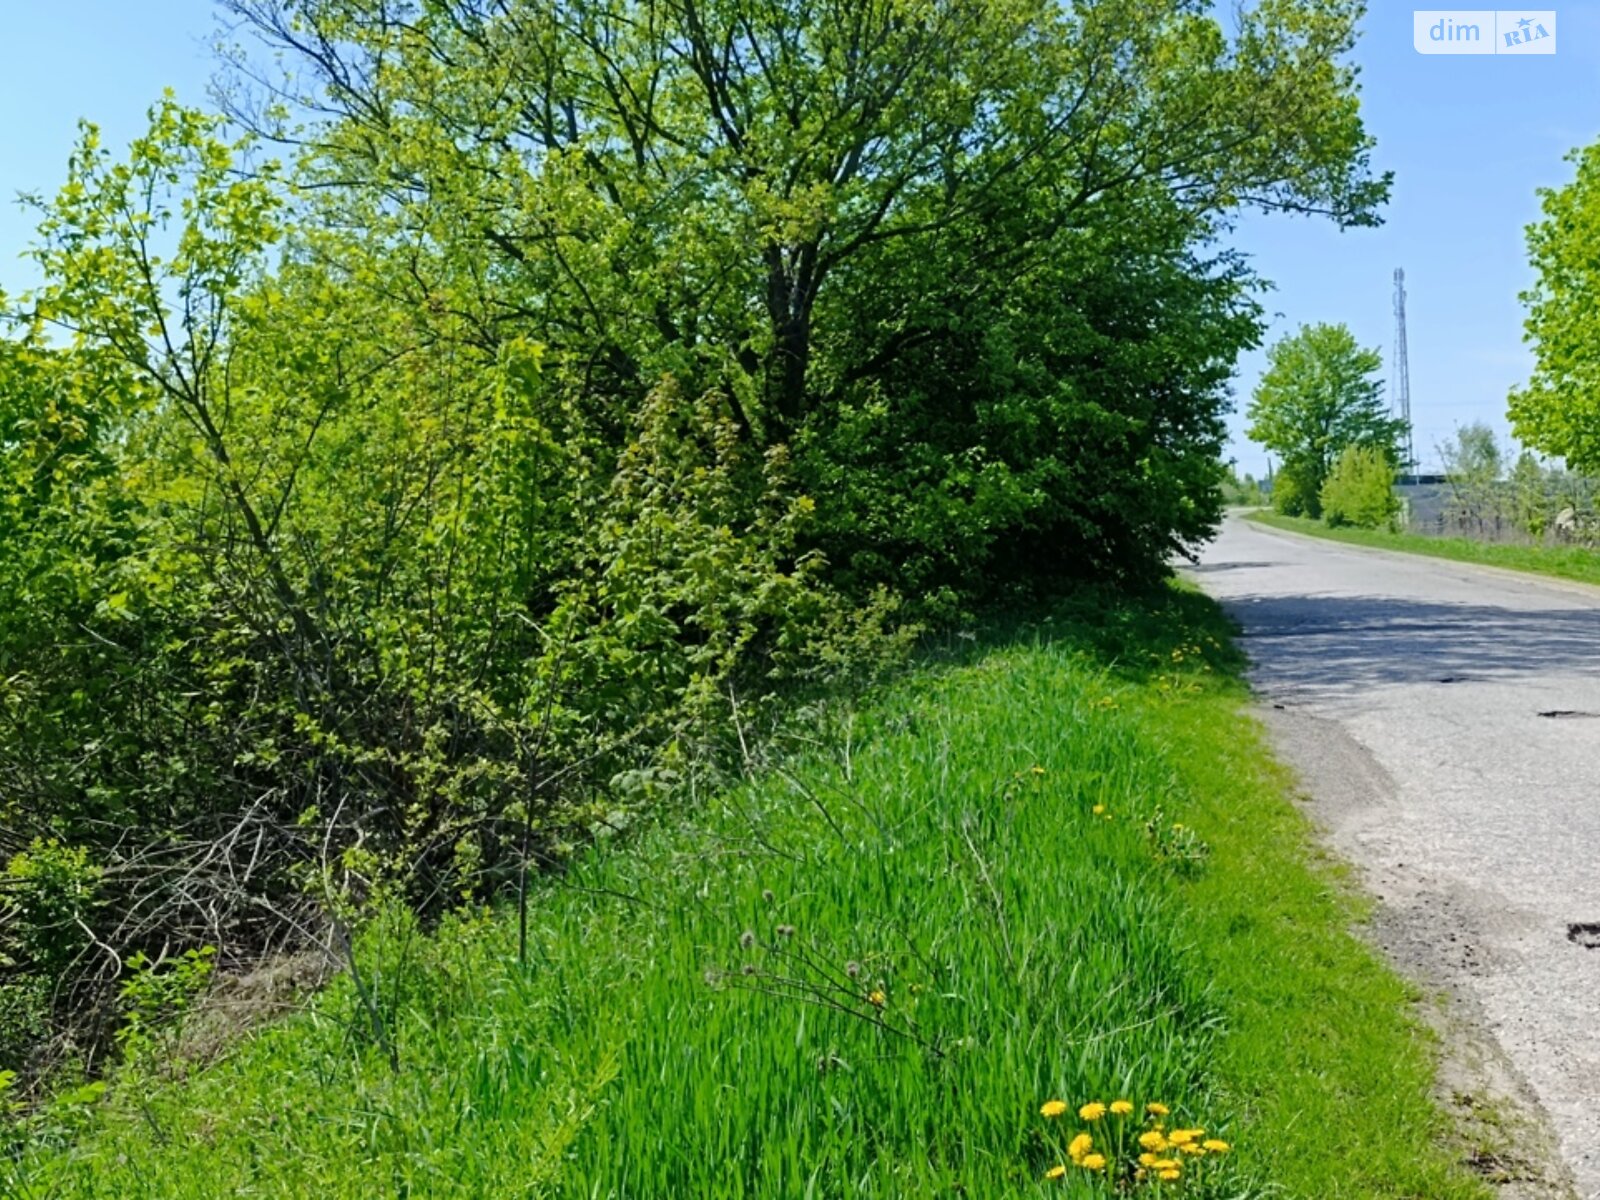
{"x":50,"y":890}
{"x":380,"y":541}
{"x":1294,"y":494}
{"x":48,"y":897}
{"x":1360,"y":490}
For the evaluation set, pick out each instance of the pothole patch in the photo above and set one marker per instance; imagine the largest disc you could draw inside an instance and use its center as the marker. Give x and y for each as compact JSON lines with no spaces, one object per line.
{"x":1585,"y":934}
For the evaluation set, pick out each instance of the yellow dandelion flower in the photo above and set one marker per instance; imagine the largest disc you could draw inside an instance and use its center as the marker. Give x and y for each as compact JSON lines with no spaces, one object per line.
{"x":1092,"y":1111}
{"x":1171,"y":1174}
{"x":1053,"y":1108}
{"x":1192,"y":1148}
{"x":1055,"y":1172}
{"x":1165,"y":1164}
{"x":1037,"y":770}
{"x":877,"y":999}
{"x":1216,"y":1146}
{"x":1147,"y":1159}
{"x":1121,"y":1107}
{"x":1157,"y":1110}
{"x":1094,"y":1162}
{"x":1099,"y":809}
{"x":1182,"y":1137}
{"x":1154,"y":1140}
{"x":1079,"y":1146}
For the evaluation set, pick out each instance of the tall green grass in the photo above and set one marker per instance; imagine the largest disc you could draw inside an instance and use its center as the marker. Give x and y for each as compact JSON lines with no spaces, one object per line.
{"x":860,"y":975}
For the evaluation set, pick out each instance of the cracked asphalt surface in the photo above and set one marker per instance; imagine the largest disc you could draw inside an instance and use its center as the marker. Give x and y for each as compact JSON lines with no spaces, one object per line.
{"x":1411,"y":693}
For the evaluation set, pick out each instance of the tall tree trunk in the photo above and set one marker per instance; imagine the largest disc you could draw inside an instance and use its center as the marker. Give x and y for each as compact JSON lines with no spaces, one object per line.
{"x":792,"y":283}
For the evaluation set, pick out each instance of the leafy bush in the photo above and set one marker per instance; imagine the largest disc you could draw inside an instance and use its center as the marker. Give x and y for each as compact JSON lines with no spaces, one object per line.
{"x":1294,"y":494}
{"x":50,"y":894}
{"x":155,"y":996}
{"x":400,"y":516}
{"x":1360,"y":490}
{"x":1067,"y":427}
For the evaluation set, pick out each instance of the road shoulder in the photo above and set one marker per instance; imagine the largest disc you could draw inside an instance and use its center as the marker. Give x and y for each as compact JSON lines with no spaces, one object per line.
{"x":1469,"y":569}
{"x":1505,"y":1134}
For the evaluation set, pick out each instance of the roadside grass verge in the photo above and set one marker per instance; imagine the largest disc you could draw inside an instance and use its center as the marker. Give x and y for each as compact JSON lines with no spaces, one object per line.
{"x":1056,"y":863}
{"x":1561,"y":562}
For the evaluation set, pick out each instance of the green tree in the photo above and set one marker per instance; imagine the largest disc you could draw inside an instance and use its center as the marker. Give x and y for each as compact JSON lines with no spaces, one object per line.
{"x":1319,"y":396}
{"x":1531,"y":491}
{"x":1474,"y":458}
{"x":590,"y":371}
{"x":805,"y":205}
{"x":1558,"y":410}
{"x":283,"y":566}
{"x":1473,"y":465}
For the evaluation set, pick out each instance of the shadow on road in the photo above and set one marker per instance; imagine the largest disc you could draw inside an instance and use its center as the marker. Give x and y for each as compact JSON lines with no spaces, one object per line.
{"x":1213,"y":568}
{"x":1338,"y":644}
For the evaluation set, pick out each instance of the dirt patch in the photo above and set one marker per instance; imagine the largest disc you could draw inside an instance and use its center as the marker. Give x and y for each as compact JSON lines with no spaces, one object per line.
{"x":1426,"y":932}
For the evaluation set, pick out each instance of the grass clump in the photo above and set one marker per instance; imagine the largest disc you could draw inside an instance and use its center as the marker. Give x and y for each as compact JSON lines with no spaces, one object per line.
{"x":1578,"y":563}
{"x":865,"y":972}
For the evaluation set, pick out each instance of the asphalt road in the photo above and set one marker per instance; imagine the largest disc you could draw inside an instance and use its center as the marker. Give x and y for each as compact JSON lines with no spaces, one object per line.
{"x":1446,"y":719}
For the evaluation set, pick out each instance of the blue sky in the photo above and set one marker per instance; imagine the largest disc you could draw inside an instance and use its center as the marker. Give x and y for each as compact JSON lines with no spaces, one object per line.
{"x":106,"y":60}
{"x":1470,"y":139}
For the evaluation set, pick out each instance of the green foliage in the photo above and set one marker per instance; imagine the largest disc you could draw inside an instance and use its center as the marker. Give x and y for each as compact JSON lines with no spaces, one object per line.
{"x":1474,"y":459}
{"x":1293,"y":494}
{"x":1243,"y":492}
{"x":1072,"y":428}
{"x":1360,"y":490}
{"x":1527,"y":494}
{"x":1319,"y":396}
{"x":1472,"y":462}
{"x":357,"y":600}
{"x":50,"y":893}
{"x":154,"y":998}
{"x":697,"y":1014}
{"x":1558,"y":411}
{"x":51,"y":898}
{"x":26,"y":1022}
{"x":896,"y":240}
{"x":598,"y":382}
{"x":1549,"y":501}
